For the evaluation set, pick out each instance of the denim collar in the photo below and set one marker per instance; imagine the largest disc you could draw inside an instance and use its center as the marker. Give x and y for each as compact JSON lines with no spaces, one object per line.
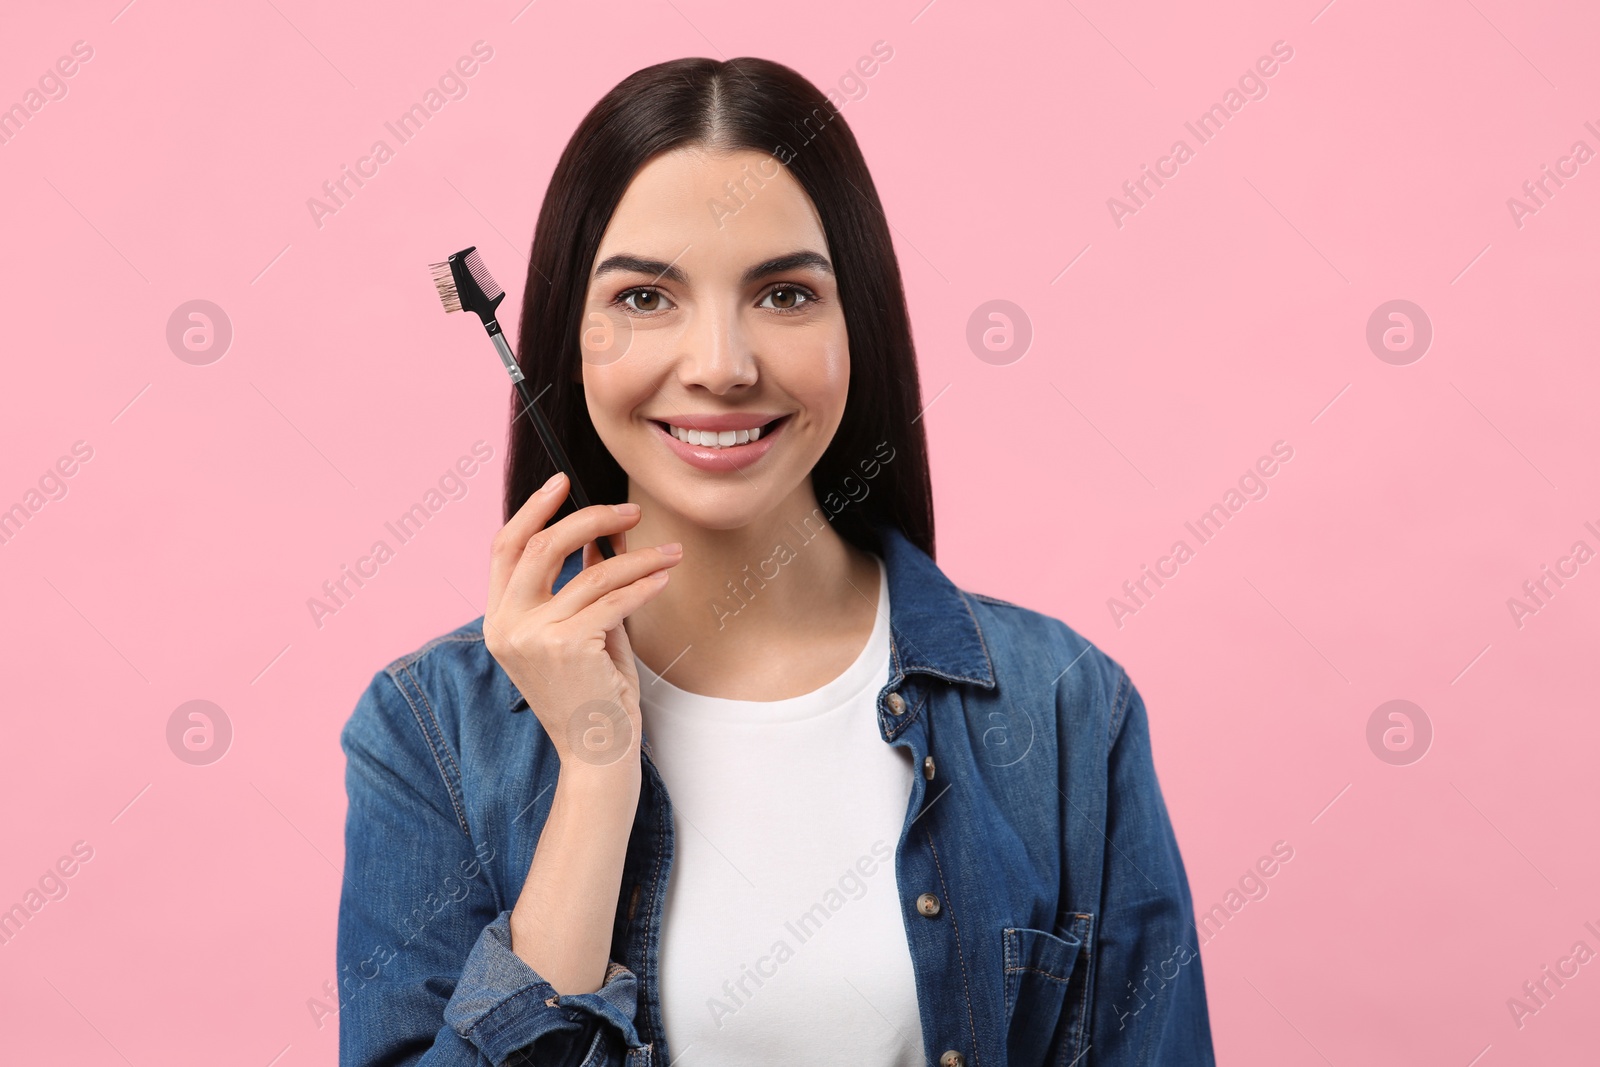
{"x":930,"y":620}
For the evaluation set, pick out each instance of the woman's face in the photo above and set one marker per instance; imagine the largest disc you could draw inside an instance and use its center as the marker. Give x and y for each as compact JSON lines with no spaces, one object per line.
{"x":715,"y":357}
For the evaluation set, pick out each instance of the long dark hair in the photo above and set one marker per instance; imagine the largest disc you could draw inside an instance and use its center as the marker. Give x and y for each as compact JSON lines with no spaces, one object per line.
{"x":743,"y":103}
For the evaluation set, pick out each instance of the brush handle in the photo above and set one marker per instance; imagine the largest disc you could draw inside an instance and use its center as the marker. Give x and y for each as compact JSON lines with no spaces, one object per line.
{"x":530,"y":406}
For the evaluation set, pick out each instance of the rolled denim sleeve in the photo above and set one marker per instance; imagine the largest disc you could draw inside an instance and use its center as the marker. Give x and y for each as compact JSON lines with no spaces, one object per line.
{"x":490,"y":1005}
{"x":426,"y":971}
{"x":1149,"y":990}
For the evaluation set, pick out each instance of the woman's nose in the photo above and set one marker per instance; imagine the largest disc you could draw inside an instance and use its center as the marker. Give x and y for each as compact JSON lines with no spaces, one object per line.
{"x":715,"y":351}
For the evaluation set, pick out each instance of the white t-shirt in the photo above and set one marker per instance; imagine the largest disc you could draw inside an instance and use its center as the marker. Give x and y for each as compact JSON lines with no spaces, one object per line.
{"x":783,"y":940}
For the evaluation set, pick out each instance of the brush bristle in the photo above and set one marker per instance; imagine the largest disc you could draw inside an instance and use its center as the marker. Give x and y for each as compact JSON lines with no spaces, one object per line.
{"x":481,"y":275}
{"x":448,"y":296}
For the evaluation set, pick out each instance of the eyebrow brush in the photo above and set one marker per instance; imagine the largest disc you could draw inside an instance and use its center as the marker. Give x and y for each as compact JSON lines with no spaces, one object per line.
{"x":465,"y":284}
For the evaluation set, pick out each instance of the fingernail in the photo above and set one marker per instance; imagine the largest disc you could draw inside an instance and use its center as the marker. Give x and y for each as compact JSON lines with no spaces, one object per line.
{"x":671,"y":548}
{"x":629,"y":508}
{"x":551,"y":484}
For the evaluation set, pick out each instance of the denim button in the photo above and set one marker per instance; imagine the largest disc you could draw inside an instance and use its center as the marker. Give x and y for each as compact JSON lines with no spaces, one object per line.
{"x":928,"y":904}
{"x":927,"y":767}
{"x":952,"y":1058}
{"x":897,"y":703}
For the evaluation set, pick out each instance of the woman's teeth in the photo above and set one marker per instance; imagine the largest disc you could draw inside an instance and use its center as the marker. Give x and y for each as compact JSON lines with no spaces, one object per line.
{"x":713,"y":438}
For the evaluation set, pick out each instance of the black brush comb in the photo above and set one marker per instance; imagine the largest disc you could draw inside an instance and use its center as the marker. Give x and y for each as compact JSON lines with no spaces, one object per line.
{"x":465,"y":284}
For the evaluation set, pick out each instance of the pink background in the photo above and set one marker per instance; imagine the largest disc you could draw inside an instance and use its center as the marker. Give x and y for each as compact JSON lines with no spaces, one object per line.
{"x":1228,"y":313}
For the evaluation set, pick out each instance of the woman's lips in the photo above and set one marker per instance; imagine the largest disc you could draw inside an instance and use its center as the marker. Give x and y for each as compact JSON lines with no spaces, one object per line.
{"x":729,"y":458}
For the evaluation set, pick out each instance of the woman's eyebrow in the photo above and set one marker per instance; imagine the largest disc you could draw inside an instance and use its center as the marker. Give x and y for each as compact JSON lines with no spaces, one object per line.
{"x":629,"y":263}
{"x":788,"y":262}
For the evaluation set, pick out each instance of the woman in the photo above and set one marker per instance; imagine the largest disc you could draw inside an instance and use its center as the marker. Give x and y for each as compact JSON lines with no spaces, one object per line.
{"x":906,"y":824}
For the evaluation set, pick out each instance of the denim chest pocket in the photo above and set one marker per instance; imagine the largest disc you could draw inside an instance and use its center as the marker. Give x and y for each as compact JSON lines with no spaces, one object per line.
{"x":1047,"y":981}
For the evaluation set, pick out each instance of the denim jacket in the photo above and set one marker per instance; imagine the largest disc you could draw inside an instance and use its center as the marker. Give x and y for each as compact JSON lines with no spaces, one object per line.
{"x":1044,"y":898}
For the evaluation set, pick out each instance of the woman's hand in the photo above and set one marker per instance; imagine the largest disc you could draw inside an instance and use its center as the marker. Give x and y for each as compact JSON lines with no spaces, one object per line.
{"x":568,"y":652}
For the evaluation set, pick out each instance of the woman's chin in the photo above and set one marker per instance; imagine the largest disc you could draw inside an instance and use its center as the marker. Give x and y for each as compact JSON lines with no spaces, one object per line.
{"x":724,"y":510}
{"x":726,"y":506}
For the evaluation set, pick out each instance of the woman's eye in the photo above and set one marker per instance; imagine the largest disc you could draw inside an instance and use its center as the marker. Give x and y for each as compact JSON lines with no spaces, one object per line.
{"x":787,"y":298}
{"x":649,"y":300}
